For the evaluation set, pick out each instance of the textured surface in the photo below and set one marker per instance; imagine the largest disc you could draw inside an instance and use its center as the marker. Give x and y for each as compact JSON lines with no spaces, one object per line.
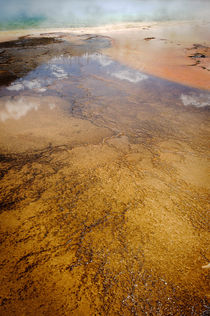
{"x":104,"y":192}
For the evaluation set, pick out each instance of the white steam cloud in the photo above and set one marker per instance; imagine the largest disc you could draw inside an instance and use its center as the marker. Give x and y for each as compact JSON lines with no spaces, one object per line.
{"x":80,"y":12}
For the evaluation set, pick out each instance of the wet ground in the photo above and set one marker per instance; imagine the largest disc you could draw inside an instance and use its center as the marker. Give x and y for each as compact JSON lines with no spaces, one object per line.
{"x":104,"y":184}
{"x":174,"y":51}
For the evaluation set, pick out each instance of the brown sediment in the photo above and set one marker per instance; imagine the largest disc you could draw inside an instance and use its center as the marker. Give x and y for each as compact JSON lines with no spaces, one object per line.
{"x":104,"y":199}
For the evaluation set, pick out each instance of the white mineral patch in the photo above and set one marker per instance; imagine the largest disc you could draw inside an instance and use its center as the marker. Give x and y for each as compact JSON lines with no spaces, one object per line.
{"x":129,"y":75}
{"x":198,"y":101}
{"x":17,"y":108}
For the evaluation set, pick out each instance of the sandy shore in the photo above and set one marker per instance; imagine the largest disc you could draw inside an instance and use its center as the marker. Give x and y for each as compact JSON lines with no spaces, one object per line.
{"x":162,"y":49}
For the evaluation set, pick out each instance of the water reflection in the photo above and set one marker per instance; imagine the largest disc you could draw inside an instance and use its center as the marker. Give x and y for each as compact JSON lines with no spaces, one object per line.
{"x":95,"y":76}
{"x":15,"y":109}
{"x":19,"y":106}
{"x":39,"y":79}
{"x":79,"y":68}
{"x":199,"y":100}
{"x":58,"y":77}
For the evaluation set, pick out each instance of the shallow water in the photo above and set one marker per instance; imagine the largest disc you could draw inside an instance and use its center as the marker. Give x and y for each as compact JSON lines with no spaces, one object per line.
{"x":98,"y":76}
{"x":104,"y":191}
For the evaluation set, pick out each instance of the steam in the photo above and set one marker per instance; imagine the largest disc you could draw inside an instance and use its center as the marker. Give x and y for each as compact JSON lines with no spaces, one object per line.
{"x":93,"y":12}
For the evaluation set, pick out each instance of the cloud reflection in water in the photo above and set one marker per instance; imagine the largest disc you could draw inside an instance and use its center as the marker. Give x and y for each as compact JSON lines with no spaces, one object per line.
{"x":198,"y":101}
{"x":19,"y":107}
